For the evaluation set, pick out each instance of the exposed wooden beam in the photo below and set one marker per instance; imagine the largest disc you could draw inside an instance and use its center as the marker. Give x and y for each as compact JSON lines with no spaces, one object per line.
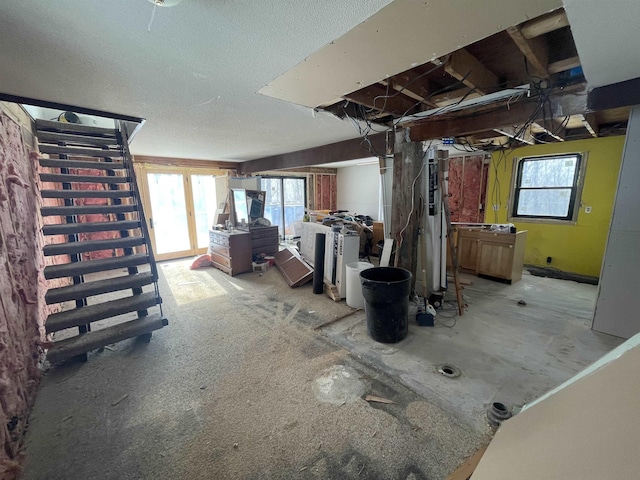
{"x":563,"y":65}
{"x":185,"y":162}
{"x":571,"y":102}
{"x":332,"y":153}
{"x":536,"y":51}
{"x":384,"y":99}
{"x":616,"y":95}
{"x":590,"y":122}
{"x":544,"y":24}
{"x":557,"y":133}
{"x":465,"y":67}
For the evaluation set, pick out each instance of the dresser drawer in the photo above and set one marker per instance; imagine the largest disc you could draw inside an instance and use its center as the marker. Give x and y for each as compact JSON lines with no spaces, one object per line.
{"x":220,"y":250}
{"x":218,"y":239}
{"x":221,"y":259}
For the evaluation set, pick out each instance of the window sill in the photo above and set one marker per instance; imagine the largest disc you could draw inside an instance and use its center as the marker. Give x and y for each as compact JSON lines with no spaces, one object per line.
{"x":547,"y":221}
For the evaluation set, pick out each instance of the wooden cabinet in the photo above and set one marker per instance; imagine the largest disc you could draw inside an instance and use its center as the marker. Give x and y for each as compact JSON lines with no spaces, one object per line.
{"x":230,"y":252}
{"x":492,"y":254}
{"x":264,"y":240}
{"x":467,"y":242}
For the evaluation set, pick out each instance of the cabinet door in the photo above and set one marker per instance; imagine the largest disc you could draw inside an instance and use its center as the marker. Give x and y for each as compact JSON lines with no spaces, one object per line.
{"x":468,"y":253}
{"x":495,"y":259}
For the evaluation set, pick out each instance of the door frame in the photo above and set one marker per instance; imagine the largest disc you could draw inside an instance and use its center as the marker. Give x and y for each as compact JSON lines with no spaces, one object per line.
{"x":142,"y":171}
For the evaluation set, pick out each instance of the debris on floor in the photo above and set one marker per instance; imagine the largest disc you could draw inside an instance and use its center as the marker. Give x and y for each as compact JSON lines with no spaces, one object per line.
{"x":339,"y":385}
{"x":376,"y":399}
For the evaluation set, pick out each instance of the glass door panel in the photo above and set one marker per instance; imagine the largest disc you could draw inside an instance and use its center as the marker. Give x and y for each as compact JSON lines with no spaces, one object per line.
{"x":169,"y":218}
{"x":204,"y":206}
{"x":273,"y":202}
{"x":294,"y":203}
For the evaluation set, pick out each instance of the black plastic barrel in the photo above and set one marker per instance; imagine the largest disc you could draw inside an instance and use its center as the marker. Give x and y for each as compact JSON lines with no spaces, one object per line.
{"x":386,"y":302}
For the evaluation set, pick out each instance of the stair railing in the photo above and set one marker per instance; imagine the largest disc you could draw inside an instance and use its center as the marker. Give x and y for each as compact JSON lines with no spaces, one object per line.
{"x":122,"y":132}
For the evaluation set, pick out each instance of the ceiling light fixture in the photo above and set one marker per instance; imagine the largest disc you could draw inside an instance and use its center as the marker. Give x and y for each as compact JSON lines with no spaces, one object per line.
{"x":165,"y":3}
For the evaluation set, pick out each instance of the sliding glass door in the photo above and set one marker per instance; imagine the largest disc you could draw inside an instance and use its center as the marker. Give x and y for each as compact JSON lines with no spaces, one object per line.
{"x":181,"y":205}
{"x":285,"y":203}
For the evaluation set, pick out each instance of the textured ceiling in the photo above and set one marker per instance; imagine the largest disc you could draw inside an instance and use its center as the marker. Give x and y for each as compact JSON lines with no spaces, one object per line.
{"x":194,"y":76}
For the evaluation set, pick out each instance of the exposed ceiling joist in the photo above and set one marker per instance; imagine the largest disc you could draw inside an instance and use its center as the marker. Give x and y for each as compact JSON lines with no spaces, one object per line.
{"x":557,"y":133}
{"x":412,"y":82}
{"x":465,"y":67}
{"x":590,"y":122}
{"x":563,"y":65}
{"x":454,"y":96}
{"x":332,"y":153}
{"x":384,"y":99}
{"x":544,"y":24}
{"x":536,"y":51}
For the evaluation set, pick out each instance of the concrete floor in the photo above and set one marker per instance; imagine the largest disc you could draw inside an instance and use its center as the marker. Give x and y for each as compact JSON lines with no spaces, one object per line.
{"x":506,"y":352}
{"x":236,"y":387}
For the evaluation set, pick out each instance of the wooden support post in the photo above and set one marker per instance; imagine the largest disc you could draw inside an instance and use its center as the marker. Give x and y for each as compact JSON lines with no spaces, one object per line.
{"x":406,"y":199}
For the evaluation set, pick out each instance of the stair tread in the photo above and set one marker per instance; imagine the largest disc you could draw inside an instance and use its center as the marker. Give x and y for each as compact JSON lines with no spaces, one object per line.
{"x":91,"y":245}
{"x":52,"y":125}
{"x":92,"y":266}
{"x":70,"y":347}
{"x":86,"y":193}
{"x":73,"y":228}
{"x":70,"y":138}
{"x":97,"y":287}
{"x":92,"y":313}
{"x":64,"y":178}
{"x":79,"y":151}
{"x":85,"y":164}
{"x":87,"y":209}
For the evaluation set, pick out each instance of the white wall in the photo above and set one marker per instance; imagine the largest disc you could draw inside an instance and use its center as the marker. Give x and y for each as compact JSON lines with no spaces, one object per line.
{"x":618,"y":301}
{"x":359,"y":189}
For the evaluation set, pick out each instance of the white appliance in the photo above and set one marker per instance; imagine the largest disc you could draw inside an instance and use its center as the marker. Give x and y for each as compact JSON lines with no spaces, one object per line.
{"x":340,"y":249}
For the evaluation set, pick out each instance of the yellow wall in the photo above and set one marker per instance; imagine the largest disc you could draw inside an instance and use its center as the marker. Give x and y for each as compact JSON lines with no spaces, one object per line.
{"x":575,"y":248}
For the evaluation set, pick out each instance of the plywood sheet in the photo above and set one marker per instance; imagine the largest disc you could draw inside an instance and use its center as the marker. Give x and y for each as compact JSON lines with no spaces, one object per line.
{"x":587,"y":431}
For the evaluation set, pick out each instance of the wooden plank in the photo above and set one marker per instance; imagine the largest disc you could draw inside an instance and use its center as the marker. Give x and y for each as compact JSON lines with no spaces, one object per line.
{"x":293,"y":269}
{"x":516,"y":133}
{"x":563,"y":65}
{"x":464,"y":471}
{"x":71,"y":347}
{"x":536,"y":50}
{"x":466,"y":68}
{"x":405,"y":202}
{"x":335,"y":152}
{"x":91,"y":246}
{"x":92,"y":266}
{"x":58,"y":177}
{"x":185,"y":162}
{"x":73,"y":139}
{"x":84,"y":164}
{"x":544,"y":24}
{"x":74,"y":228}
{"x":590,"y":122}
{"x":86,"y":193}
{"x":79,"y":151}
{"x":415,"y":84}
{"x":92,"y":313}
{"x":98,"y":287}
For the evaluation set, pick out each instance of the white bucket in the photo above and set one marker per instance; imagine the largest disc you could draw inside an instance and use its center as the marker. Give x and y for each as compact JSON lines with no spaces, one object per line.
{"x":354,"y":288}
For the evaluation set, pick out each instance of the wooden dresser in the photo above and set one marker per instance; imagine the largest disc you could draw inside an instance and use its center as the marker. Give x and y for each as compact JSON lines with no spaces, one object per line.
{"x":264,"y":240}
{"x":230,"y":252}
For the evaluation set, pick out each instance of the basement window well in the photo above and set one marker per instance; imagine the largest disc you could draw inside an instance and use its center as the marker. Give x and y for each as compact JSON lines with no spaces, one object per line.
{"x":547,"y":188}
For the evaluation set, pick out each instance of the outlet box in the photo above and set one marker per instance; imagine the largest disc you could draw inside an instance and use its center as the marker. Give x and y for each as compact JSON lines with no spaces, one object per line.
{"x":587,"y":209}
{"x":496,"y":208}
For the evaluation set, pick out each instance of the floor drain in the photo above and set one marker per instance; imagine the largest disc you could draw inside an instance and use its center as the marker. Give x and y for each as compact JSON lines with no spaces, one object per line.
{"x":498,"y":413}
{"x":449,"y":371}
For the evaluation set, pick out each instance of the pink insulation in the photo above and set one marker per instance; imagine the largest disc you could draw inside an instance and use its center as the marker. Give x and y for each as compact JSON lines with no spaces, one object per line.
{"x":94,"y":217}
{"x":467,"y":188}
{"x":23,"y":310}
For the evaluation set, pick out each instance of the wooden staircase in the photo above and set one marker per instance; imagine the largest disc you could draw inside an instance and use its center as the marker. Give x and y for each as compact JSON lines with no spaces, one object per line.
{"x":94,"y":163}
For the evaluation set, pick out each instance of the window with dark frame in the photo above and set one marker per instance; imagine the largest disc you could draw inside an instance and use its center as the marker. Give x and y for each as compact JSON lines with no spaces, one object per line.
{"x":547,"y":187}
